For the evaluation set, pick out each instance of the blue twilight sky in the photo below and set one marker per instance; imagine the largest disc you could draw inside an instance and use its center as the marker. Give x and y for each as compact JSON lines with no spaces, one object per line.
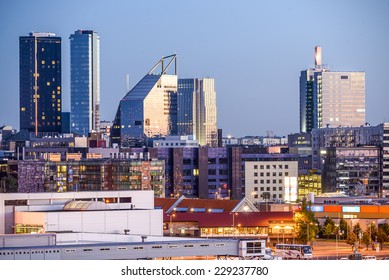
{"x":255,"y":50}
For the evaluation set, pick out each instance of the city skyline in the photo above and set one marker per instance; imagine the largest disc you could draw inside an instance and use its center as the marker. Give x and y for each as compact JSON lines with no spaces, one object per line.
{"x":246,"y":48}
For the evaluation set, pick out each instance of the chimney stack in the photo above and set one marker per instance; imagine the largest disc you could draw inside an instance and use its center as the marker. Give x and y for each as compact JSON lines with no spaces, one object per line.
{"x":317,"y":56}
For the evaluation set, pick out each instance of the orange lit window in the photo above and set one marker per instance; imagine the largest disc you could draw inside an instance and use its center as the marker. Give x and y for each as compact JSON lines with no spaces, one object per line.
{"x":43,"y":62}
{"x":48,"y":83}
{"x":23,"y":109}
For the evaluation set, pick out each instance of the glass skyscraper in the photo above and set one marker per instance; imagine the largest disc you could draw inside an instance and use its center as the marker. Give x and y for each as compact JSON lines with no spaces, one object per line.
{"x":196,"y":110}
{"x":148,"y":110}
{"x":85,"y":81}
{"x":40,"y":82}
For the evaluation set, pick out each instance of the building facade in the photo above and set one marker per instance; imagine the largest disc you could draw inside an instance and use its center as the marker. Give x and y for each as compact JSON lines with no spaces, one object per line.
{"x":92,"y":175}
{"x":85,"y":81}
{"x":385,"y":161}
{"x":339,"y":99}
{"x":271,"y":176}
{"x":148,"y":110}
{"x":353,"y":170}
{"x":330,"y":98}
{"x":196,"y":110}
{"x":40,"y":82}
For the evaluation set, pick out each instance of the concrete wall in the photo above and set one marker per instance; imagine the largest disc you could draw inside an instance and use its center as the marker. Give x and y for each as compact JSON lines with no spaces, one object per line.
{"x":147,"y":222}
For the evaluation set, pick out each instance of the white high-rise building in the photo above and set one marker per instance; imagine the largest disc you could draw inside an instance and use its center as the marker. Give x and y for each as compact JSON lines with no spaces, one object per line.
{"x":329,"y":98}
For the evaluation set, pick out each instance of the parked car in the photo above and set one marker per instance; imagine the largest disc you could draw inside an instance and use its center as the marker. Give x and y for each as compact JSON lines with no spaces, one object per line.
{"x":355,"y":257}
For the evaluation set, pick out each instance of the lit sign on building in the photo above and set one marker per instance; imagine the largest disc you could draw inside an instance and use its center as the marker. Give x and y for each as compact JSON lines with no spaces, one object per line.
{"x":351,"y":209}
{"x":317,"y":208}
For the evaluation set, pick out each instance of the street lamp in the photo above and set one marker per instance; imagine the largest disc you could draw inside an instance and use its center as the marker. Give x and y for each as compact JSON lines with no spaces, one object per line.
{"x":170,"y":224}
{"x":233,"y":223}
{"x":310,"y":223}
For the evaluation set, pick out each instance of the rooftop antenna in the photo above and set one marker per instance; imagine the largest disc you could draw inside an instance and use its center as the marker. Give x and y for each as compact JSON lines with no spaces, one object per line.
{"x":127,"y":82}
{"x":161,"y":62}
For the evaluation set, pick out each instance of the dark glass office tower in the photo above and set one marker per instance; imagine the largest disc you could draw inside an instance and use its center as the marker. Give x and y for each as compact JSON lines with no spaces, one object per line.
{"x":40,"y":82}
{"x":85,"y":81}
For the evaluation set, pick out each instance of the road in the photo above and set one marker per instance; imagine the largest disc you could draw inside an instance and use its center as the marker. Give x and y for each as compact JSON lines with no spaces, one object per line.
{"x":329,"y":249}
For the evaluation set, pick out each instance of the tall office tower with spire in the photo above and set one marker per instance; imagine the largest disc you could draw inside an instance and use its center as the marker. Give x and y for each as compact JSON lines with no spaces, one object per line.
{"x":40,"y":82}
{"x":85,"y":81}
{"x":330,"y":98}
{"x":149,"y":109}
{"x":196,"y":110}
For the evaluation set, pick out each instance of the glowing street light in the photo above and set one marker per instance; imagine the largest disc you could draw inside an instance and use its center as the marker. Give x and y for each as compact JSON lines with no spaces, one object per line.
{"x":233,"y":222}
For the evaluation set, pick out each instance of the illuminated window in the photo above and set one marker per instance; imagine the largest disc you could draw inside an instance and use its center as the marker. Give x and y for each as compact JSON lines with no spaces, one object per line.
{"x":43,"y":117}
{"x":53,"y":62}
{"x":23,"y":109}
{"x":43,"y":49}
{"x":43,"y":62}
{"x":58,"y":118}
{"x":53,"y":96}
{"x":48,"y":83}
{"x":58,"y":88}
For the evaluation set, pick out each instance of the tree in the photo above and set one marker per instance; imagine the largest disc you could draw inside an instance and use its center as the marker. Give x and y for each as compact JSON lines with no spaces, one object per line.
{"x":329,"y":227}
{"x":306,"y":224}
{"x":329,"y":230}
{"x":357,"y":229}
{"x":10,"y":184}
{"x":382,"y":236}
{"x":385,"y":228}
{"x":352,"y":239}
{"x":366,"y":239}
{"x":344,"y":228}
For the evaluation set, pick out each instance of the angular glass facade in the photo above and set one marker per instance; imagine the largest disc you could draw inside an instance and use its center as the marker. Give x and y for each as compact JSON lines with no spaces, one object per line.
{"x":40,"y":82}
{"x":85,"y":81}
{"x":146,"y":111}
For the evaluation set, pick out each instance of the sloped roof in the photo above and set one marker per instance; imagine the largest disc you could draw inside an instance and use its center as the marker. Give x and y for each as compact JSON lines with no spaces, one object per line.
{"x":247,"y":219}
{"x":332,"y":194}
{"x":192,"y":203}
{"x":142,"y":89}
{"x":164,"y":203}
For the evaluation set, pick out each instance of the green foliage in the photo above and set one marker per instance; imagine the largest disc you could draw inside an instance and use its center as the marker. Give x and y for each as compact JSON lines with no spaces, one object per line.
{"x":344,"y":228}
{"x":385,"y":228}
{"x":329,"y":230}
{"x":382,"y":236}
{"x":351,"y":239}
{"x":366,"y":239}
{"x":9,"y":184}
{"x":357,"y":229}
{"x":306,"y":229}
